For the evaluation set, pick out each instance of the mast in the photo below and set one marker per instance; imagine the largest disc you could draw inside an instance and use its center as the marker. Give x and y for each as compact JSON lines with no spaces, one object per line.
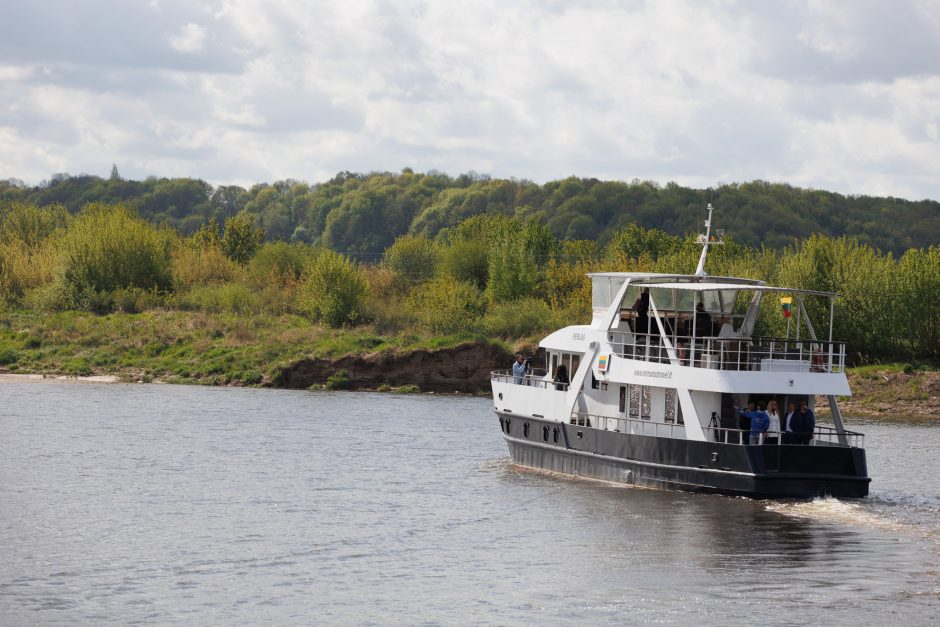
{"x":707,"y":240}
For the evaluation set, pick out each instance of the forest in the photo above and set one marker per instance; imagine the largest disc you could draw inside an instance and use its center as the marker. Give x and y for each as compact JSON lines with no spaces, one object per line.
{"x":494,"y":274}
{"x":361,"y":215}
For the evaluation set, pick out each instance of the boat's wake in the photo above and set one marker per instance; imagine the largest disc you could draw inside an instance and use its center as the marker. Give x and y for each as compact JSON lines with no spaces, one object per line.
{"x":832,"y":510}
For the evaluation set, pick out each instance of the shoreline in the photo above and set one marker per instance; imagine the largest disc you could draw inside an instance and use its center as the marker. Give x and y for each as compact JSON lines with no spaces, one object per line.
{"x":878,"y":394}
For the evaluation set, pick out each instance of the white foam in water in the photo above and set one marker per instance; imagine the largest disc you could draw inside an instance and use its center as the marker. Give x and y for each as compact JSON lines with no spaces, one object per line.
{"x":829,"y":509}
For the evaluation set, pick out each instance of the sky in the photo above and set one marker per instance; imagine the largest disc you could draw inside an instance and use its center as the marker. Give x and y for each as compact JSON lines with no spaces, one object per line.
{"x":841,"y":96}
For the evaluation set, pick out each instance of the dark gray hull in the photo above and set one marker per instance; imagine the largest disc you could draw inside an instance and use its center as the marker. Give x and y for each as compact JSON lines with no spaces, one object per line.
{"x":767,"y":471}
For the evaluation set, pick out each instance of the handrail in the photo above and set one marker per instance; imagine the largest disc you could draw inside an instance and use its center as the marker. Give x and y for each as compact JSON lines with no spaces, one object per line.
{"x":823,"y":435}
{"x":755,"y":353}
{"x":529,"y":380}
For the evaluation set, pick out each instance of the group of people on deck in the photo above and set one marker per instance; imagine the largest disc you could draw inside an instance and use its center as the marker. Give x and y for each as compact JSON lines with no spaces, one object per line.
{"x":796,"y":426}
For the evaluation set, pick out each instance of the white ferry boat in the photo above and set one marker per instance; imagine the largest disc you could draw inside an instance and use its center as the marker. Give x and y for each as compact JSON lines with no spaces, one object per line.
{"x":655,"y":395}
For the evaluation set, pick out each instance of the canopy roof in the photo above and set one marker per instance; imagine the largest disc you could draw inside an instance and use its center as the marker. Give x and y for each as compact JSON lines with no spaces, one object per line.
{"x":712,"y":285}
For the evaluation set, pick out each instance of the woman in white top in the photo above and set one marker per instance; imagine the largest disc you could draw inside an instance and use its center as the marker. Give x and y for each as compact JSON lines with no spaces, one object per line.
{"x":773,"y":431}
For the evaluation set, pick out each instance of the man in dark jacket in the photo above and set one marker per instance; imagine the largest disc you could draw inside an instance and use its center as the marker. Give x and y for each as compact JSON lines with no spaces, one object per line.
{"x":806,"y":422}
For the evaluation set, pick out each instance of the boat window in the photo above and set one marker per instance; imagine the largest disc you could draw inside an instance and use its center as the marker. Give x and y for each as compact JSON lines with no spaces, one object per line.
{"x":686,"y":300}
{"x":555,"y":435}
{"x":633,"y":293}
{"x":712,"y":300}
{"x":545,"y":433}
{"x":728,"y":299}
{"x":604,"y":289}
{"x":671,"y":398}
{"x":525,"y":429}
{"x":623,"y":398}
{"x":662,"y":297}
{"x":646,"y":404}
{"x":615,"y":285}
{"x":573,"y":365}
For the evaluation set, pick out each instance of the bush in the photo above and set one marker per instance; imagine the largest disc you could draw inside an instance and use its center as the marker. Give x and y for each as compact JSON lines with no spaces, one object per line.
{"x":466,"y":260}
{"x":107,"y":247}
{"x":518,"y":319}
{"x":278,"y":263}
{"x":8,"y":356}
{"x":55,"y":296}
{"x":333,"y":290}
{"x":412,"y":257}
{"x":448,"y":306}
{"x":208,"y":265}
{"x":338,"y":381}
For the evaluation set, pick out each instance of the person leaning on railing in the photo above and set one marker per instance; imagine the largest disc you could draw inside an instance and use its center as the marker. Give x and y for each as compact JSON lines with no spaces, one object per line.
{"x":520,"y":369}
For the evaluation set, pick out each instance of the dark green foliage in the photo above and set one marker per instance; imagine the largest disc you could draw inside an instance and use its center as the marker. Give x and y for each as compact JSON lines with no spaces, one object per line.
{"x":364,"y":213}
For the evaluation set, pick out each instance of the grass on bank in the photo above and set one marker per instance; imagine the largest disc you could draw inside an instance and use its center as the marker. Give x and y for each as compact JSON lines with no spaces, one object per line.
{"x":185,"y":346}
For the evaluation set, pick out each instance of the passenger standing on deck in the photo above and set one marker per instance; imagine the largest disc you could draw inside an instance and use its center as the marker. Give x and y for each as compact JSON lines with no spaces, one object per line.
{"x":642,"y":307}
{"x":807,"y":422}
{"x":519,"y":369}
{"x":790,"y":425}
{"x":774,"y":429}
{"x":759,"y":424}
{"x":561,"y":378}
{"x":744,"y":422}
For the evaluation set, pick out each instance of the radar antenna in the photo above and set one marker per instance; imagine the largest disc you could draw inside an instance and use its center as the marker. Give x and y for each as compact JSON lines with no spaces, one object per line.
{"x":707,"y":240}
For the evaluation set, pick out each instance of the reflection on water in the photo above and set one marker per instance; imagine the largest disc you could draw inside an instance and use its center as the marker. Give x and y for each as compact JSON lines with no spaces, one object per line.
{"x":177,"y":504}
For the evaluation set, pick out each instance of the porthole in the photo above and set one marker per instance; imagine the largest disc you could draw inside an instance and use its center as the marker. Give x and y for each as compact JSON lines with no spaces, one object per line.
{"x":525,"y":429}
{"x":502,"y":426}
{"x":500,"y":396}
{"x":555,"y":435}
{"x":508,"y":426}
{"x":580,"y":434}
{"x":545,"y":433}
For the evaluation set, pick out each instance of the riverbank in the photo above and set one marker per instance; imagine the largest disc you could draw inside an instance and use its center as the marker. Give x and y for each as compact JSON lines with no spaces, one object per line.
{"x":289,"y":352}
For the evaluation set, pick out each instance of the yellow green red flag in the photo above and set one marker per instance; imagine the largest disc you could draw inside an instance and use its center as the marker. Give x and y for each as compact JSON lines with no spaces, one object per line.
{"x":786,"y":302}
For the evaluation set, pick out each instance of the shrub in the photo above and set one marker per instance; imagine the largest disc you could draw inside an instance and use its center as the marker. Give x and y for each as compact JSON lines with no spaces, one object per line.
{"x":278,"y":263}
{"x":412,"y":258}
{"x":202,"y":266}
{"x":107,"y":247}
{"x":466,"y":260}
{"x":8,"y":356}
{"x":338,"y":381}
{"x":518,"y":319}
{"x":446,"y":305}
{"x":55,"y":296}
{"x":333,"y":289}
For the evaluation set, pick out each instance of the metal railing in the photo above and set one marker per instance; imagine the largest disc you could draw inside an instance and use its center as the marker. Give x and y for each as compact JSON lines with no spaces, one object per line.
{"x":535,"y":378}
{"x":823,"y":435}
{"x":761,"y":354}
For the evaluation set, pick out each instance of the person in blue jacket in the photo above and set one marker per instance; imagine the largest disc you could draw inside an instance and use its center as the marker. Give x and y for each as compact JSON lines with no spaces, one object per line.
{"x":756,"y":420}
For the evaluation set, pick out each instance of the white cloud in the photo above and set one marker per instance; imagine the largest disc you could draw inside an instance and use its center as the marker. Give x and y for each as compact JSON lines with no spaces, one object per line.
{"x":697,"y":92}
{"x":189,"y":38}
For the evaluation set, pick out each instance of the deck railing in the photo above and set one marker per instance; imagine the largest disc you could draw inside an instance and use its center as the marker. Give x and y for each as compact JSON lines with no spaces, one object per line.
{"x":762,"y":354}
{"x":535,"y":378}
{"x":823,"y":435}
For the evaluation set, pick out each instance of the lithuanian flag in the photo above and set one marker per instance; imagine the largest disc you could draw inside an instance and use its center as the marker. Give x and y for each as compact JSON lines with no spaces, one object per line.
{"x":786,"y":302}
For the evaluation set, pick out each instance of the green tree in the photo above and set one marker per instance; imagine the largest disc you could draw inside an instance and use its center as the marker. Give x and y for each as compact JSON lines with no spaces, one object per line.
{"x":241,"y":238}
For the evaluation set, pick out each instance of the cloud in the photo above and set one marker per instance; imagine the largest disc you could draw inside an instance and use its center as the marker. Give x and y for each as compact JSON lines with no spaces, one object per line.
{"x":189,"y":38}
{"x":837,"y":96}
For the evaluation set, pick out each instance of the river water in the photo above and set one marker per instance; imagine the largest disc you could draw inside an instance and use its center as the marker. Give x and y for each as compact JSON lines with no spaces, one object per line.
{"x":172,"y":504}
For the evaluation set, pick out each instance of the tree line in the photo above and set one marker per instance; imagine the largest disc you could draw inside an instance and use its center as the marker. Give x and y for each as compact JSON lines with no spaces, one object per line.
{"x":499,"y":275}
{"x":362,"y":214}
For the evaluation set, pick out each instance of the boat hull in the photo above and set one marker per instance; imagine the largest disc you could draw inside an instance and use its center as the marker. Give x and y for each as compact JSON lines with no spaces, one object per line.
{"x":767,"y":471}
